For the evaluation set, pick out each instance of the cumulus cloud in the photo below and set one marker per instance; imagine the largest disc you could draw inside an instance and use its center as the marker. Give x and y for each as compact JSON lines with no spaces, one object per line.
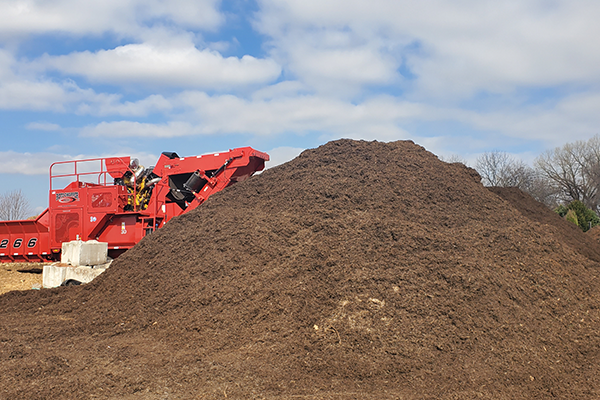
{"x":19,"y":18}
{"x":342,"y":70}
{"x":202,"y":114}
{"x":32,"y":95}
{"x":110,"y":105}
{"x":137,"y":129}
{"x":38,"y":163}
{"x":381,"y":117}
{"x":26,"y":91}
{"x":27,"y":163}
{"x":300,"y":114}
{"x":153,"y":65}
{"x":338,"y":63}
{"x":18,"y":93}
{"x":571,"y":118}
{"x":452,"y":48}
{"x":30,"y":92}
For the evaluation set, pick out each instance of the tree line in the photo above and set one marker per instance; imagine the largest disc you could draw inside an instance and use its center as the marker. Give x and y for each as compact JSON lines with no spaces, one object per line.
{"x":567,"y":177}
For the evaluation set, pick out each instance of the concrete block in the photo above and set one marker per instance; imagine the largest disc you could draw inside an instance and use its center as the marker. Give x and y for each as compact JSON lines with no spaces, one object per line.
{"x":55,"y":274}
{"x":78,"y":253}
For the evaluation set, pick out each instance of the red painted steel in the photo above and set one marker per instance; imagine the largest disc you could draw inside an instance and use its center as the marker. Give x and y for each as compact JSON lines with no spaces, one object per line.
{"x":114,"y":200}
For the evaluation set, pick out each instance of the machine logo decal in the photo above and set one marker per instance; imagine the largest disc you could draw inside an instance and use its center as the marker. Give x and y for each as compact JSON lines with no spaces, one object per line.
{"x":17,"y":243}
{"x":67,"y":197}
{"x":4,"y":244}
{"x":32,"y":242}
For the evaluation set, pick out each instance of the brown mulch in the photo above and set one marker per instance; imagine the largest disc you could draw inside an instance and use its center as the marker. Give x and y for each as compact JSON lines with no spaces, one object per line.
{"x":594,"y":233}
{"x":357,"y":270}
{"x":568,"y":232}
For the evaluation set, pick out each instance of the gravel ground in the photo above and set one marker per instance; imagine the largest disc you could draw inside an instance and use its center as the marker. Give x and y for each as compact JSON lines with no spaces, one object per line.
{"x":20,"y":276}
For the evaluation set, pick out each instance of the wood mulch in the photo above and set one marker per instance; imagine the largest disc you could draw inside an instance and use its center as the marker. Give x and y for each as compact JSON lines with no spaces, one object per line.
{"x":358,"y":270}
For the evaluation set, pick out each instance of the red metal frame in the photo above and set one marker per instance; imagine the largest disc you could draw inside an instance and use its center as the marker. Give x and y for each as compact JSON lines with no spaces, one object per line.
{"x":94,"y":206}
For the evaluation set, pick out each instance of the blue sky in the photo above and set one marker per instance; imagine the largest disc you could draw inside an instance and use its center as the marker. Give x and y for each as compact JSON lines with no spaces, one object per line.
{"x":132,"y":77}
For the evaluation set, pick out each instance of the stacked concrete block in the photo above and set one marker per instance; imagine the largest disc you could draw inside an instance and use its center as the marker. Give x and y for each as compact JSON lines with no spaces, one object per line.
{"x":78,"y":252}
{"x":81,"y":262}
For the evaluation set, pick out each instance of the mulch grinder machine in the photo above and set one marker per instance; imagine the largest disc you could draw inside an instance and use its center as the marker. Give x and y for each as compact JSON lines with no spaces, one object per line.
{"x":118,"y":201}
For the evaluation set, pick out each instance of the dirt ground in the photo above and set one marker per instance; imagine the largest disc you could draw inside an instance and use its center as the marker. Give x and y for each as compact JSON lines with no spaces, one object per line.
{"x":359,"y":270}
{"x":20,"y":276}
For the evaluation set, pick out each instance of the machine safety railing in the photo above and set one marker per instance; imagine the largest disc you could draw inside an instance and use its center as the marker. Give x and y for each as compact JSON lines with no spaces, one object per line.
{"x":79,"y":170}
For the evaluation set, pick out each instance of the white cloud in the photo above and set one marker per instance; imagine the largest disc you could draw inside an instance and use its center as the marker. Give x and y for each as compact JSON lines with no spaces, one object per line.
{"x":19,"y":18}
{"x":153,"y":65}
{"x":335,"y":62}
{"x":27,"y":163}
{"x":6,"y":63}
{"x":300,"y":114}
{"x":18,"y":93}
{"x":138,"y":129}
{"x":327,"y":63}
{"x":201,"y":114}
{"x":459,"y":48}
{"x":575,"y":117}
{"x":104,"y":105}
{"x":342,"y":69}
{"x":38,"y":163}
{"x":276,"y":112}
{"x":42,"y":126}
{"x":26,"y":91}
{"x":32,"y":95}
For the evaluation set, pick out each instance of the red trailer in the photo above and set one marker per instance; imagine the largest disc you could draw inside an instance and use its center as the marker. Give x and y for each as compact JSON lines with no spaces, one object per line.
{"x":118,"y":201}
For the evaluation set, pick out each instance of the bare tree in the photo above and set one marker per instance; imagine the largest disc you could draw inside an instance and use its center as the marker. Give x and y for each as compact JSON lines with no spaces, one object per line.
{"x":574,"y":171}
{"x":500,"y":169}
{"x":14,"y":205}
{"x":518,"y":174}
{"x":492,"y":167}
{"x":543,"y":190}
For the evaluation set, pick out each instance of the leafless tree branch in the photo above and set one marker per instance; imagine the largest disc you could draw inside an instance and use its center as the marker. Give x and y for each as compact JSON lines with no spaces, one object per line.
{"x":14,"y":205}
{"x":575,"y":171}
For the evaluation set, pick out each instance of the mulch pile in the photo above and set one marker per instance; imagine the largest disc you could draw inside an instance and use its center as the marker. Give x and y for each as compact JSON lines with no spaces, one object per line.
{"x":594,"y":233}
{"x":357,"y":270}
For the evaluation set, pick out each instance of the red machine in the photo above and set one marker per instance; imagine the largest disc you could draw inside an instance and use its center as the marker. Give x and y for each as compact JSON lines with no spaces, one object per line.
{"x":118,"y":201}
